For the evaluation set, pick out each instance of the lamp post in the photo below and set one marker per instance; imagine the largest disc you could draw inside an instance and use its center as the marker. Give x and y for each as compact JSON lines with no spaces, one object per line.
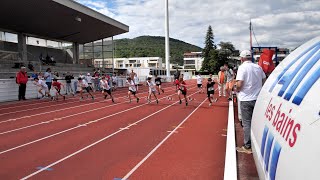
{"x":167,"y":38}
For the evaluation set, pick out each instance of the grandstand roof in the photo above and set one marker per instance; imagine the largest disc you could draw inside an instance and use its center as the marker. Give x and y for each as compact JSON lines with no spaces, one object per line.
{"x":64,"y":20}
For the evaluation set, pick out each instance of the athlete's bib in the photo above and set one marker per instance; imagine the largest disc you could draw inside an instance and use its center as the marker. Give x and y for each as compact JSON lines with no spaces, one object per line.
{"x":210,"y":89}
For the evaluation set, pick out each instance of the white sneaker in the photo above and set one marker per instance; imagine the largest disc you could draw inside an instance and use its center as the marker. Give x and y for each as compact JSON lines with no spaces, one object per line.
{"x":210,"y":104}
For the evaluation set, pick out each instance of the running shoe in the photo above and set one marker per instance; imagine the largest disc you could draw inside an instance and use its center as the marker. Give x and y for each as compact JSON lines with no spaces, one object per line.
{"x":186,"y":103}
{"x":180,"y":102}
{"x":92,"y":98}
{"x":64,"y":97}
{"x":210,"y":104}
{"x":243,"y":149}
{"x":157,"y":101}
{"x":112,"y":100}
{"x":137,"y":100}
{"x":105,"y":97}
{"x":162,"y":90}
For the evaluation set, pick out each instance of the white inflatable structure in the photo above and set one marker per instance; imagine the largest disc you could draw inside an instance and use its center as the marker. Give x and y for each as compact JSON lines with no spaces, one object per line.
{"x":286,"y":118}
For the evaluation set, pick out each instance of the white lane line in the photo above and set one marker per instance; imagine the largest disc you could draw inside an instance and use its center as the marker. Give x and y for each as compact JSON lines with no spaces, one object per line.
{"x":157,"y":147}
{"x":39,"y":102}
{"x":14,"y":119}
{"x":58,"y":119}
{"x":58,"y":133}
{"x":172,"y":131}
{"x":97,"y":142}
{"x":230,"y":166}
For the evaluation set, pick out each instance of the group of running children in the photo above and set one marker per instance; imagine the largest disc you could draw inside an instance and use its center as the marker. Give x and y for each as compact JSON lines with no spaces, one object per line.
{"x":154,"y":88}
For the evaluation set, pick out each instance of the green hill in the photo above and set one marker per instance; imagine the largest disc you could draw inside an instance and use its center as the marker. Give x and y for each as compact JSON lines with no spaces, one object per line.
{"x":152,"y":46}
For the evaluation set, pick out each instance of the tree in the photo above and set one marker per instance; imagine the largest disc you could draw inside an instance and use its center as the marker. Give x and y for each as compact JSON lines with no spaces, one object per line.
{"x":209,"y":46}
{"x":225,"y":52}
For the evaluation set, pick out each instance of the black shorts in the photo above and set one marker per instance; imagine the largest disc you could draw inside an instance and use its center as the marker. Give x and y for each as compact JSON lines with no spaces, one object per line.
{"x":86,"y":88}
{"x":209,"y":93}
{"x":133,"y":92}
{"x":183,"y":92}
{"x":199,"y":85}
{"x":107,"y":91}
{"x":158,"y":84}
{"x":114,"y":83}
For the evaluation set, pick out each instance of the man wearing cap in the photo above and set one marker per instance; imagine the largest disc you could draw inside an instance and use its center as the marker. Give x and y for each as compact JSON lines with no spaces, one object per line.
{"x":250,"y":78}
{"x":22,"y":79}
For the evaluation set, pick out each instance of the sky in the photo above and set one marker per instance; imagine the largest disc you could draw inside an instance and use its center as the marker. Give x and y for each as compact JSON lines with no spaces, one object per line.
{"x":281,"y":23}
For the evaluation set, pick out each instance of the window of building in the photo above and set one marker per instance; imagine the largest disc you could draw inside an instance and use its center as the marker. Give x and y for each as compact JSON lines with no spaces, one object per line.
{"x":189,"y":62}
{"x":10,"y":37}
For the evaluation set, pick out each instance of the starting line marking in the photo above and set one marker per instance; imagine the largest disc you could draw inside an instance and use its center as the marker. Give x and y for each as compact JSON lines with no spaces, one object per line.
{"x":45,"y":169}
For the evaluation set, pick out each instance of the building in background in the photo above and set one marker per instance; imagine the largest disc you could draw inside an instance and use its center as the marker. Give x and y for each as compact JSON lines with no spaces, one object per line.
{"x":135,"y":62}
{"x":192,"y":61}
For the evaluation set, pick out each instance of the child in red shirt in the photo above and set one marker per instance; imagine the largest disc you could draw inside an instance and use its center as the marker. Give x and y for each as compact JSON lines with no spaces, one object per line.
{"x":57,"y":85}
{"x":182,"y":90}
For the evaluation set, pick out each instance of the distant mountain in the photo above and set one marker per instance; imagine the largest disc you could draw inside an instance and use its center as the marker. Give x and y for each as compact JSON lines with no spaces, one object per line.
{"x":152,"y":46}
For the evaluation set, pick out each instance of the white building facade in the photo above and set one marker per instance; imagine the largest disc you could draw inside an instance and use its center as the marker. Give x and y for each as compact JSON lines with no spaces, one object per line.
{"x":193,"y":60}
{"x":124,"y":63}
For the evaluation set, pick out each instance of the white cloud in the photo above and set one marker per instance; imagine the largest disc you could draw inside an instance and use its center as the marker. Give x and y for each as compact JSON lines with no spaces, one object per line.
{"x":282,"y":23}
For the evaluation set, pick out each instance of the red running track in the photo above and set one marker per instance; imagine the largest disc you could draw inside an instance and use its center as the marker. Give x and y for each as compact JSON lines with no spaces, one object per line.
{"x":86,"y":143}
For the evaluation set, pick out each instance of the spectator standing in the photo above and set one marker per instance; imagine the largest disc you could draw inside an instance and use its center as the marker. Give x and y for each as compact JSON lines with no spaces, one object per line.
{"x":222,"y":82}
{"x":229,"y":84}
{"x":68,"y":79}
{"x":55,"y":75}
{"x":22,"y":79}
{"x":136,"y":81}
{"x":250,"y":78}
{"x":48,"y":77}
{"x":176,"y":75}
{"x":114,"y":81}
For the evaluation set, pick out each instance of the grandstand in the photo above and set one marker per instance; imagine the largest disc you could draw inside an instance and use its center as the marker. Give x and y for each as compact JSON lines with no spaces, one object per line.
{"x":37,"y":31}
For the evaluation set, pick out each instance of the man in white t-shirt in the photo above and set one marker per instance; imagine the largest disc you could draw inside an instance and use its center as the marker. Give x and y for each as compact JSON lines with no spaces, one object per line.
{"x":199,"y":82}
{"x":250,"y":78}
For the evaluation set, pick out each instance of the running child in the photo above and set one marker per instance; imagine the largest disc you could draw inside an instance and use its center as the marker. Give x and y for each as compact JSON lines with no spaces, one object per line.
{"x":106,"y":89}
{"x":57,"y":86}
{"x":199,"y":82}
{"x":152,"y":90}
{"x":43,"y":86}
{"x":182,"y":90}
{"x":176,"y":82}
{"x":132,"y":89}
{"x":84,"y":86}
{"x":89,"y":78}
{"x":210,"y":90}
{"x":158,"y":84}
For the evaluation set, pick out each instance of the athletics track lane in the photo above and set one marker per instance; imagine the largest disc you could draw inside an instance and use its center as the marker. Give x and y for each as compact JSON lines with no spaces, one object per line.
{"x":55,"y":148}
